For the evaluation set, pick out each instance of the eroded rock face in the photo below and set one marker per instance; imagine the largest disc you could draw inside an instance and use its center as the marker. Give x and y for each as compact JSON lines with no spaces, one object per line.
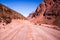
{"x":7,"y":14}
{"x":48,"y":12}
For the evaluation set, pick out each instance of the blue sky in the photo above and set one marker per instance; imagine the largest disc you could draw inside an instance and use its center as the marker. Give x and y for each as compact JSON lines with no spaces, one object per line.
{"x":25,"y":7}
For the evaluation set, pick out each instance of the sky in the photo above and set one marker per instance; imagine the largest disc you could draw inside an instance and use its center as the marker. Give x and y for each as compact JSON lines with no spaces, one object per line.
{"x":25,"y":7}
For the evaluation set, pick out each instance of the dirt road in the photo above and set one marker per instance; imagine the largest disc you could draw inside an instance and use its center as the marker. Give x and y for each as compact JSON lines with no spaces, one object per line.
{"x":24,"y":30}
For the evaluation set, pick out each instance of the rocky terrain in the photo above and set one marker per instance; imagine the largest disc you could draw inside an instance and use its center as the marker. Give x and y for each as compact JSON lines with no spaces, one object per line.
{"x":43,"y":24}
{"x":7,"y":14}
{"x":48,"y":12}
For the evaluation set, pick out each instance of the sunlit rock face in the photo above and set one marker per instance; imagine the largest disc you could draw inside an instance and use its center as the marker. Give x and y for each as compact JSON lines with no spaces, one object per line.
{"x":25,"y":30}
{"x":48,"y":12}
{"x":7,"y":14}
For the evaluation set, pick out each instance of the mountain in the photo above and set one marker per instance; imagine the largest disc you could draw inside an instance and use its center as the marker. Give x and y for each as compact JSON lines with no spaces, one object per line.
{"x":7,"y":14}
{"x":48,"y":12}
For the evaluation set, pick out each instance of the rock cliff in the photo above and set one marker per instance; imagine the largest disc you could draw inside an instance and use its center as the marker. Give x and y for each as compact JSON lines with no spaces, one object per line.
{"x":48,"y":12}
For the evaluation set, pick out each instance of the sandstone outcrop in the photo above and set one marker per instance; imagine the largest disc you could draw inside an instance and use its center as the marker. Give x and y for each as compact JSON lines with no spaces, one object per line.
{"x":48,"y":12}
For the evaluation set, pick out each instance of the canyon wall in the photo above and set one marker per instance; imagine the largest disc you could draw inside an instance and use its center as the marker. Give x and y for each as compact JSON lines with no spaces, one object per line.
{"x":48,"y":12}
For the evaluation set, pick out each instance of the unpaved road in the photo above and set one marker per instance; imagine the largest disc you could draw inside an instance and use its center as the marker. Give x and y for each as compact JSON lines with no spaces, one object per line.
{"x":24,"y":30}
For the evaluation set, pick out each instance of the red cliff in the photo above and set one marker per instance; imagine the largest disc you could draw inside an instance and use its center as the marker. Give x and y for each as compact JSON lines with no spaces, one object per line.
{"x":48,"y":12}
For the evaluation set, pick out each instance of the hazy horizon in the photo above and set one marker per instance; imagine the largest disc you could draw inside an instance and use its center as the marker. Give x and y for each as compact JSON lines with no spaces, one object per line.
{"x":25,"y":7}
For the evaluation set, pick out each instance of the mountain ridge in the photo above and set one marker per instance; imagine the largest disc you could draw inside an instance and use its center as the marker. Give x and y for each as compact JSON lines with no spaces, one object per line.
{"x":7,"y":14}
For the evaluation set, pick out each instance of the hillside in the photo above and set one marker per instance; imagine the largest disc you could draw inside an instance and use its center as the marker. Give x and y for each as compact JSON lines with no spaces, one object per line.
{"x":48,"y":12}
{"x":7,"y":14}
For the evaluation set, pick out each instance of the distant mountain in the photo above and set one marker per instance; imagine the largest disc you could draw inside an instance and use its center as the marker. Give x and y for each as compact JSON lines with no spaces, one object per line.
{"x":7,"y":14}
{"x":48,"y":12}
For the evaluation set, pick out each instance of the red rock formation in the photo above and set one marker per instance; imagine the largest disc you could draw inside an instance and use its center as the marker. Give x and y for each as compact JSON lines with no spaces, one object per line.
{"x":48,"y":12}
{"x":7,"y":14}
